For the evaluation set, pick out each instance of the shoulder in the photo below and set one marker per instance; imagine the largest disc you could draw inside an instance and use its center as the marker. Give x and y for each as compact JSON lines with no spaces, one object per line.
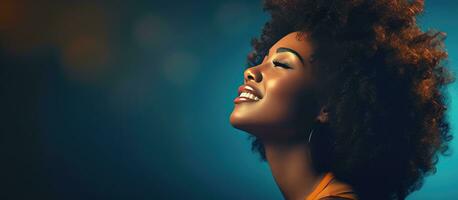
{"x":336,"y":190}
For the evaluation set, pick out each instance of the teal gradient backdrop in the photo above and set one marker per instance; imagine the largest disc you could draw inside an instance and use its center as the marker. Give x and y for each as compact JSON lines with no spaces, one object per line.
{"x":112,"y":100}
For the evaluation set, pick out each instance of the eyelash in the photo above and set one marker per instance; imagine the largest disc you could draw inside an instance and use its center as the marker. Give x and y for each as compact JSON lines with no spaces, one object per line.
{"x":276,"y":63}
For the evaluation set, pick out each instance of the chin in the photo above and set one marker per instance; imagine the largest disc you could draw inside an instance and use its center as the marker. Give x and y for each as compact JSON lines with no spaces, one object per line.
{"x":259,"y":127}
{"x":244,"y":123}
{"x":238,"y":121}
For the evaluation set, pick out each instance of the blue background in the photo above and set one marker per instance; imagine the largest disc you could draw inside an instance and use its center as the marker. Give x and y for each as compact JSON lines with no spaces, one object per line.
{"x":111,"y":100}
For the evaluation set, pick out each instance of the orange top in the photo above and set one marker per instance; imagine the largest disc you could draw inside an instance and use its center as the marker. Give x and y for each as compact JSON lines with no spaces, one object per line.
{"x":330,"y":187}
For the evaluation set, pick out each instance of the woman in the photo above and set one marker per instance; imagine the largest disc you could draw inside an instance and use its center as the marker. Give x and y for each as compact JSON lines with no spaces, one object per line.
{"x":345,"y":99}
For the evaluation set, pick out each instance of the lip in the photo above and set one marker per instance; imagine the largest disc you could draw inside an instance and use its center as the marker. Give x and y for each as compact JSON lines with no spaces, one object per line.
{"x":238,"y":100}
{"x":247,"y":88}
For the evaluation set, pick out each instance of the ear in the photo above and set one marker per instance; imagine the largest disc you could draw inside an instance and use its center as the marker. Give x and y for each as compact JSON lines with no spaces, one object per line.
{"x":323,"y":116}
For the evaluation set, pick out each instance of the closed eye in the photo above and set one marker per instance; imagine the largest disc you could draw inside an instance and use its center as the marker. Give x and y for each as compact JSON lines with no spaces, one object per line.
{"x":277,"y":63}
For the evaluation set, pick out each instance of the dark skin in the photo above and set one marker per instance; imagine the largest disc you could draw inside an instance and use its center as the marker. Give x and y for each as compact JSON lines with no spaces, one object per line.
{"x":383,"y":80}
{"x":286,"y":110}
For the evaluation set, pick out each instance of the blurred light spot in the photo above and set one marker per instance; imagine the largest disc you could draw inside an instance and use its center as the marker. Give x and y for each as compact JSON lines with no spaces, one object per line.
{"x":85,"y":58}
{"x":23,"y":27}
{"x":151,"y":31}
{"x":233,"y":18}
{"x":180,"y":68}
{"x":11,"y":14}
{"x":84,"y":33}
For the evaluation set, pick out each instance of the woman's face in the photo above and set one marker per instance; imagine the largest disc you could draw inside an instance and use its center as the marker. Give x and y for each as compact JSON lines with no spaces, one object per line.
{"x":277,"y":94}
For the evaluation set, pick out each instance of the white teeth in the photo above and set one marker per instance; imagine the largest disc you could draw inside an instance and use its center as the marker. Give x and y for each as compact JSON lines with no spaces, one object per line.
{"x":249,"y":96}
{"x":249,"y":88}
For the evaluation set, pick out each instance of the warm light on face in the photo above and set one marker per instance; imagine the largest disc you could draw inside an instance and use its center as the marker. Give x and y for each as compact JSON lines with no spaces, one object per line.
{"x":283,"y":79}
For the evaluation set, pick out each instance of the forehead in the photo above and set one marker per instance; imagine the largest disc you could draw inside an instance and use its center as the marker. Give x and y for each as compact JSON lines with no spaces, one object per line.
{"x":297,"y":41}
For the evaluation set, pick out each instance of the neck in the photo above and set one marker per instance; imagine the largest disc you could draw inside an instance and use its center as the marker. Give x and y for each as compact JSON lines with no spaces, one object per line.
{"x":291,"y":168}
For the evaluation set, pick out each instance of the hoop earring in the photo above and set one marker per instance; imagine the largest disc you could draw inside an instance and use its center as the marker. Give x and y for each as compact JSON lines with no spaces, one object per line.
{"x":310,"y":136}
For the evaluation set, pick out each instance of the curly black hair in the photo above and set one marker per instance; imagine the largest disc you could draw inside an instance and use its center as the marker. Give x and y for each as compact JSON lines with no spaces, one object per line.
{"x":385,"y":84}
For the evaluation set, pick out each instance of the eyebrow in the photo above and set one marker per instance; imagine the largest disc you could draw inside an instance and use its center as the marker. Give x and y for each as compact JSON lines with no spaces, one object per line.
{"x":284,"y":49}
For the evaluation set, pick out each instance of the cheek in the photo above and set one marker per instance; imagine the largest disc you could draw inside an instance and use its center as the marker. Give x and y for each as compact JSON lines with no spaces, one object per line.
{"x":284,"y":99}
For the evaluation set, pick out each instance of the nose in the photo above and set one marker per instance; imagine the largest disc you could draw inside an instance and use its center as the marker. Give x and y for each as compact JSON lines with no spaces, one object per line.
{"x":253,"y":73}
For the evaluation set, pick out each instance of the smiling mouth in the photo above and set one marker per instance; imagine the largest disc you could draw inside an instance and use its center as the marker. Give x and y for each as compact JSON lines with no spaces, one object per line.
{"x":246,"y":96}
{"x":248,"y":93}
